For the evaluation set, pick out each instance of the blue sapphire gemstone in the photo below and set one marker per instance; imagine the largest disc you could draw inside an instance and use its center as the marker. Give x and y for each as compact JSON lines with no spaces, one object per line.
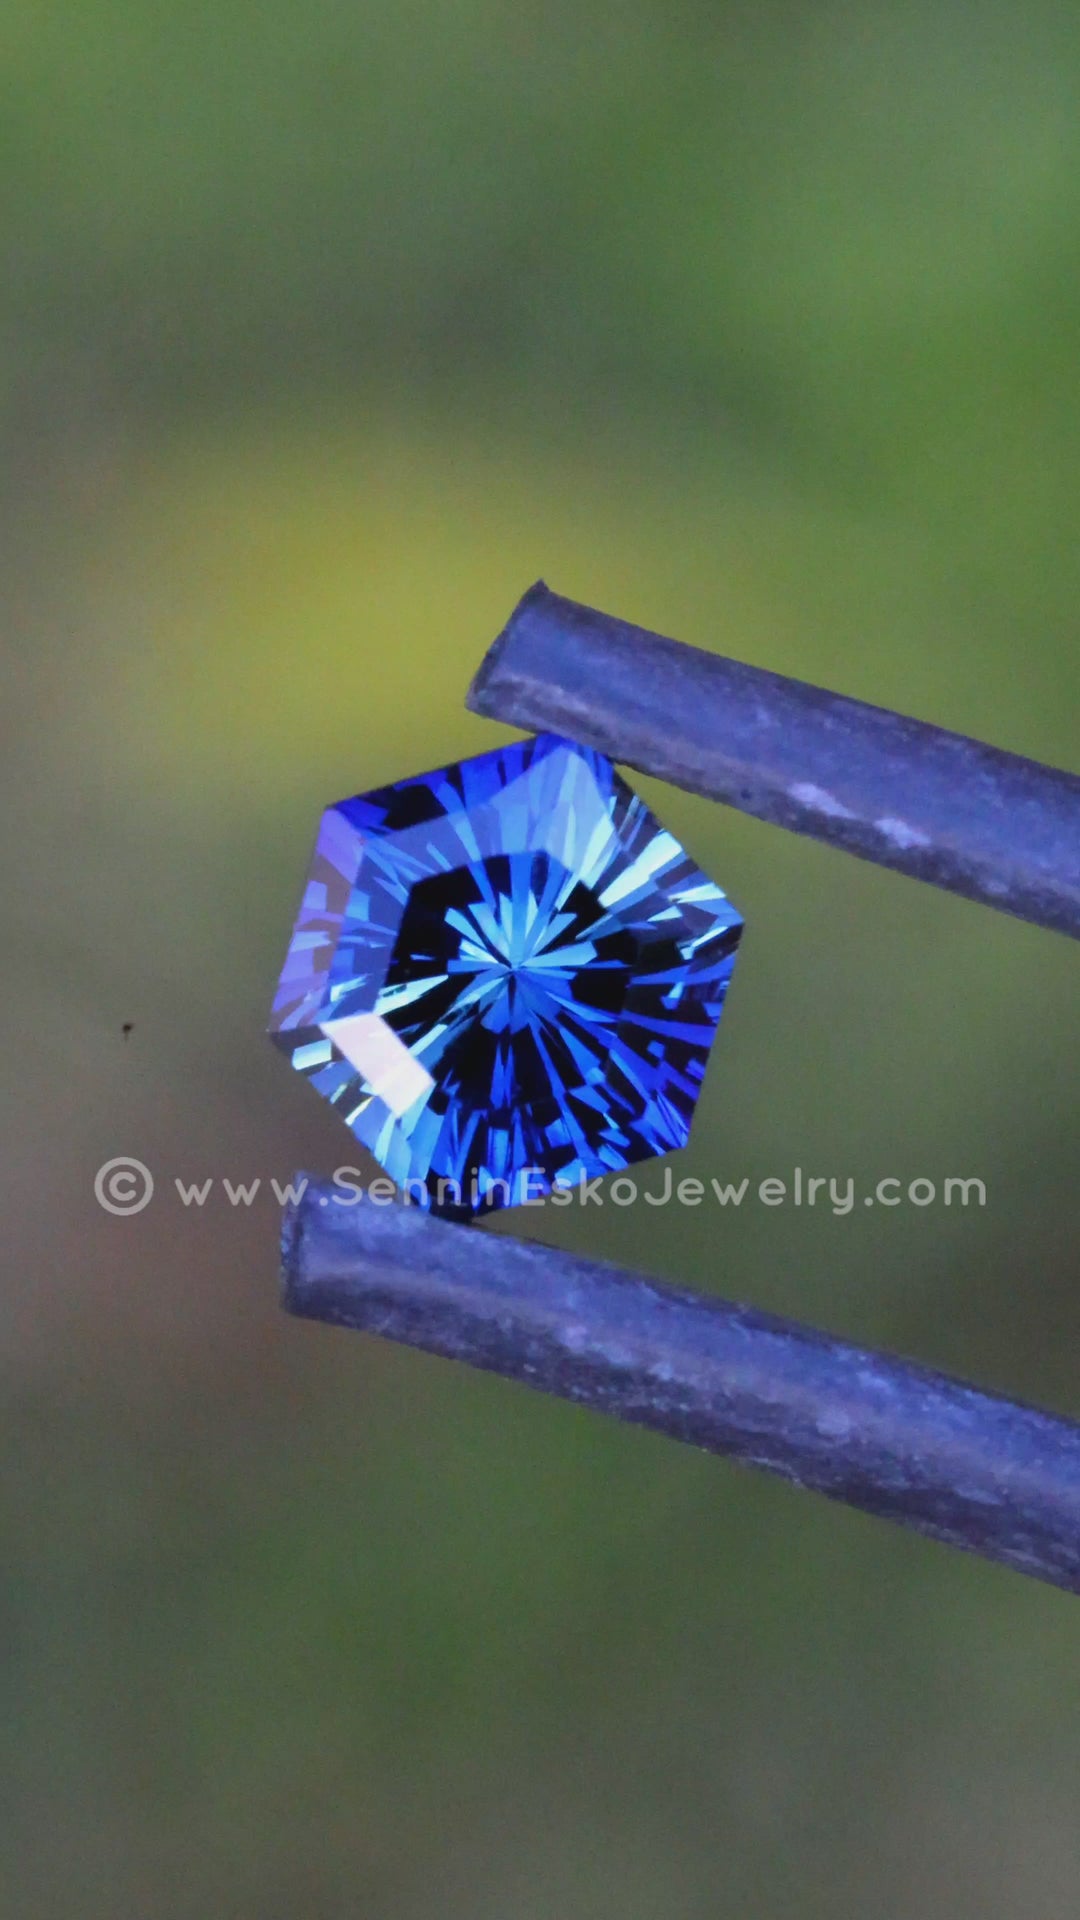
{"x":505,"y":974}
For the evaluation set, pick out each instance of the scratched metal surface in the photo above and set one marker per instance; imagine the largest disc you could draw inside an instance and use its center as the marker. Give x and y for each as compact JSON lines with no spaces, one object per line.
{"x":945,"y":809}
{"x":897,"y":1440}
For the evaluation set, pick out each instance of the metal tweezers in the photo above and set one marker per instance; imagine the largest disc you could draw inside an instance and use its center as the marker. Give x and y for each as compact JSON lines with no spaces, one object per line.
{"x":977,"y":1471}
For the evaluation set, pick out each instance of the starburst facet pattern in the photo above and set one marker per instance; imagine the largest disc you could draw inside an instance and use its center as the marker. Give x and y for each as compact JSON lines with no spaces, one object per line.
{"x":506,"y":968}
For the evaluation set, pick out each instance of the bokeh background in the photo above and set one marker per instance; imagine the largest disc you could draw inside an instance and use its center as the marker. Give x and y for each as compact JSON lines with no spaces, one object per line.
{"x":327,"y":329}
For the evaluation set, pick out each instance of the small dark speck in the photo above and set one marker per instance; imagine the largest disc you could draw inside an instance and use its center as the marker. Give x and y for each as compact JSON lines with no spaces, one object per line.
{"x":128,"y":1027}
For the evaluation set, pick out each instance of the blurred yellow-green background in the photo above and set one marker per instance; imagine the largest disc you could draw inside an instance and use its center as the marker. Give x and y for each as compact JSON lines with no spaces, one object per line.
{"x":327,"y":329}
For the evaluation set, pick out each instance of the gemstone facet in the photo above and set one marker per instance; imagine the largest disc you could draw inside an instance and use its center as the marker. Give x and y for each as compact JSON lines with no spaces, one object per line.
{"x":505,"y":975}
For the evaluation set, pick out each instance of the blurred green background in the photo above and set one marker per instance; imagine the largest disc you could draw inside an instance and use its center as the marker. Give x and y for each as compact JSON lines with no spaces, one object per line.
{"x":327,"y":330}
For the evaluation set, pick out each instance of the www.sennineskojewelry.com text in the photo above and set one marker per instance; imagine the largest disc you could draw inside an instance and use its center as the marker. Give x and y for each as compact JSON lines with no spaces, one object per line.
{"x":125,"y":1186}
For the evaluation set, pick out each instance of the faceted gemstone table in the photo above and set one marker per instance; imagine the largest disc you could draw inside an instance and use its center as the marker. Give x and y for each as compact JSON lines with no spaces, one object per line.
{"x":506,"y":974}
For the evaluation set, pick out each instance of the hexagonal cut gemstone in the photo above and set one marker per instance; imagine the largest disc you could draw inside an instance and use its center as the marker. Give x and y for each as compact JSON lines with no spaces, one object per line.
{"x":505,"y":974}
